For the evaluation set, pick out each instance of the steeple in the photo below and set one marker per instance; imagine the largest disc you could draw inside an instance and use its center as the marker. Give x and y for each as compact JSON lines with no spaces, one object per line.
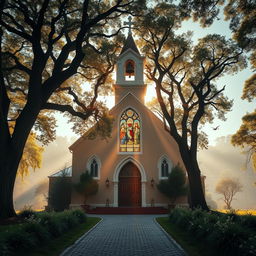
{"x":129,"y":44}
{"x":129,"y":70}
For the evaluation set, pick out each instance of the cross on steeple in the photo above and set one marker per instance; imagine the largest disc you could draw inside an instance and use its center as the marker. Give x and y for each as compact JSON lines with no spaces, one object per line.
{"x":129,"y":23}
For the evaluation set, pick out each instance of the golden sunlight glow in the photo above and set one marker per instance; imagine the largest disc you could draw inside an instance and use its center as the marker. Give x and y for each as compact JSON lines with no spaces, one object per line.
{"x":150,"y":94}
{"x":240,"y":212}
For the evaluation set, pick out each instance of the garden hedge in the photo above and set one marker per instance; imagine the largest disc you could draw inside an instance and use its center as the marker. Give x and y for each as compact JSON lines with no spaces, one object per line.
{"x":36,"y":229}
{"x":226,"y":234}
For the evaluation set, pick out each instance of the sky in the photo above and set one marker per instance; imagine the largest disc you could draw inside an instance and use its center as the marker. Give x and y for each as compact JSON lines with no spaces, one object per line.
{"x":221,"y":160}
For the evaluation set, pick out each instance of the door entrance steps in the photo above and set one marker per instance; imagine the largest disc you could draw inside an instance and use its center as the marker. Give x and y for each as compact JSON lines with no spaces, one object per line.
{"x":126,"y":210}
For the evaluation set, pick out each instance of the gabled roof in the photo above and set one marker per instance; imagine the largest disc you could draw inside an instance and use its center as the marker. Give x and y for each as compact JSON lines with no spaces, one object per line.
{"x":66,"y":172}
{"x":129,"y":94}
{"x":129,"y":44}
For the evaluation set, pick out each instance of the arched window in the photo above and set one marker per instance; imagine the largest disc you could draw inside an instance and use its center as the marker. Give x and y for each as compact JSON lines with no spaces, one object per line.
{"x":164,"y":168}
{"x":129,"y":70}
{"x":94,"y":169}
{"x":129,"y":131}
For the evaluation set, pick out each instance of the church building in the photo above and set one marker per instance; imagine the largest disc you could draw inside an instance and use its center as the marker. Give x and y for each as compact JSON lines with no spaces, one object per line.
{"x":140,"y":153}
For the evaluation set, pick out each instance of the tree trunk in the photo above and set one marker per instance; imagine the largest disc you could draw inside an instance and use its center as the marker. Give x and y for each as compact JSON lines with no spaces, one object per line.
{"x":8,"y":170}
{"x":11,"y":153}
{"x":6,"y":192}
{"x":196,"y":192}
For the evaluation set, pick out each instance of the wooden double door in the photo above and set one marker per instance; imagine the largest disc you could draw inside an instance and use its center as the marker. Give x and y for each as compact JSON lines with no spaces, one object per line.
{"x":129,"y":186}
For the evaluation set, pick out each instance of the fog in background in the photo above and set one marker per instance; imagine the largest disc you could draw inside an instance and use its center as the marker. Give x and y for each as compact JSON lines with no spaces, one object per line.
{"x":33,"y":189}
{"x":225,"y":161}
{"x":220,"y":161}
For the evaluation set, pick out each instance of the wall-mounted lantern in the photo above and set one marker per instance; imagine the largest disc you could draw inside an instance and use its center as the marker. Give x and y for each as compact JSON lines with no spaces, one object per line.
{"x":107,"y":182}
{"x":152,"y":182}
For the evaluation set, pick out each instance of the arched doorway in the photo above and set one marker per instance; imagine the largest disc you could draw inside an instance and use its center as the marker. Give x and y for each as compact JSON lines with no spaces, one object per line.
{"x":129,"y":186}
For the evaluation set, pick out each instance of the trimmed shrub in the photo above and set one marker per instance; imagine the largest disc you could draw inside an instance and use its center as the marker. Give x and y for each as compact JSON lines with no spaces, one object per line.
{"x":39,"y":232}
{"x":20,"y":241}
{"x":56,"y":226}
{"x":38,"y":228}
{"x":226,"y":234}
{"x":68,"y":218}
{"x":227,"y":237}
{"x":80,"y":215}
{"x":249,"y":221}
{"x":181,"y":217}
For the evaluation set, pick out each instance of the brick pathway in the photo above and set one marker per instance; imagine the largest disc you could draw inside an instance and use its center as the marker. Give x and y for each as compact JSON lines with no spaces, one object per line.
{"x":125,"y":235}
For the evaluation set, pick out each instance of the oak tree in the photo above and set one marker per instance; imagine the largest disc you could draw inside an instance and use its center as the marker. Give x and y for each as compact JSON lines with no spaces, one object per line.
{"x":242,"y":16}
{"x":185,"y":76}
{"x":50,"y":53}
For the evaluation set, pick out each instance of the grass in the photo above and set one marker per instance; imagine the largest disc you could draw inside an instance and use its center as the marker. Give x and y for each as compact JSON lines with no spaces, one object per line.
{"x":189,"y":245}
{"x":57,"y":246}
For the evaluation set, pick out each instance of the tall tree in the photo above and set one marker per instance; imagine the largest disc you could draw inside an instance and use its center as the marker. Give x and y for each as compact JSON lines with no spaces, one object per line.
{"x":48,"y":50}
{"x":185,"y":77}
{"x":228,"y":188}
{"x":242,"y":16}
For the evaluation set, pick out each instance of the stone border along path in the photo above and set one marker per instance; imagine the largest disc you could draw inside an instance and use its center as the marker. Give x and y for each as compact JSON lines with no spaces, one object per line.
{"x":125,"y":235}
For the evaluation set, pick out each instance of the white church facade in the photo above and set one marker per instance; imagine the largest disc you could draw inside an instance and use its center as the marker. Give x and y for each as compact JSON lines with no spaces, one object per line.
{"x":128,"y":165}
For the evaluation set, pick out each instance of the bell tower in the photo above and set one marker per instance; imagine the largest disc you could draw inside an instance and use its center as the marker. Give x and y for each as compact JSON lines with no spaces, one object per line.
{"x":129,"y":70}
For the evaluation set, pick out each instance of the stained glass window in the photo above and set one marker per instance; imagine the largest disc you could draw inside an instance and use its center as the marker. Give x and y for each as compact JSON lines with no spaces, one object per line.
{"x":164,"y":169}
{"x":129,"y":133}
{"x":94,"y":168}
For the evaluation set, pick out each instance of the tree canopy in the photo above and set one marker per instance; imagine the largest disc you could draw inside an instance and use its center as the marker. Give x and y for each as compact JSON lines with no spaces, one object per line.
{"x":54,"y":56}
{"x":242,"y":16}
{"x":186,"y":81}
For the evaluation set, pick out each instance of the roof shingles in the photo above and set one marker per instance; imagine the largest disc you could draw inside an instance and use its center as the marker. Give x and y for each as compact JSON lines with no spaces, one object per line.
{"x":129,"y":44}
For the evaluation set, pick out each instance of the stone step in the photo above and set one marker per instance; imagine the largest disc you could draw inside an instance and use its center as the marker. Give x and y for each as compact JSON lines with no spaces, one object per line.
{"x":126,"y":210}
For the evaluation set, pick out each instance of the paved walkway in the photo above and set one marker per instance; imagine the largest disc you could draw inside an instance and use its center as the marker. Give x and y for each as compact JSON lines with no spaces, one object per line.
{"x":125,"y":235}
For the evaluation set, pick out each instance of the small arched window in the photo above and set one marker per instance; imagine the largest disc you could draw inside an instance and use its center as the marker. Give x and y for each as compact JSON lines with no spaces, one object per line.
{"x":164,"y":169}
{"x":94,"y":169}
{"x":130,"y":131}
{"x":129,"y":70}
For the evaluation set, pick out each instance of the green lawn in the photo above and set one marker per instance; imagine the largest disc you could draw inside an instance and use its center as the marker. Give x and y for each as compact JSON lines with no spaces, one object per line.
{"x":58,"y":245}
{"x":190,"y":246}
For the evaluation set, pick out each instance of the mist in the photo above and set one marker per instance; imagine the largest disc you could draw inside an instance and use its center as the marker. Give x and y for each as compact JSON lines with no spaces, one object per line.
{"x":225,"y":161}
{"x":32,"y":191}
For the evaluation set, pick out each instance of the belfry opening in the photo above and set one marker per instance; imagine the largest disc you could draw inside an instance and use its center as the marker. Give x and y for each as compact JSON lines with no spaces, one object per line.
{"x":129,"y":70}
